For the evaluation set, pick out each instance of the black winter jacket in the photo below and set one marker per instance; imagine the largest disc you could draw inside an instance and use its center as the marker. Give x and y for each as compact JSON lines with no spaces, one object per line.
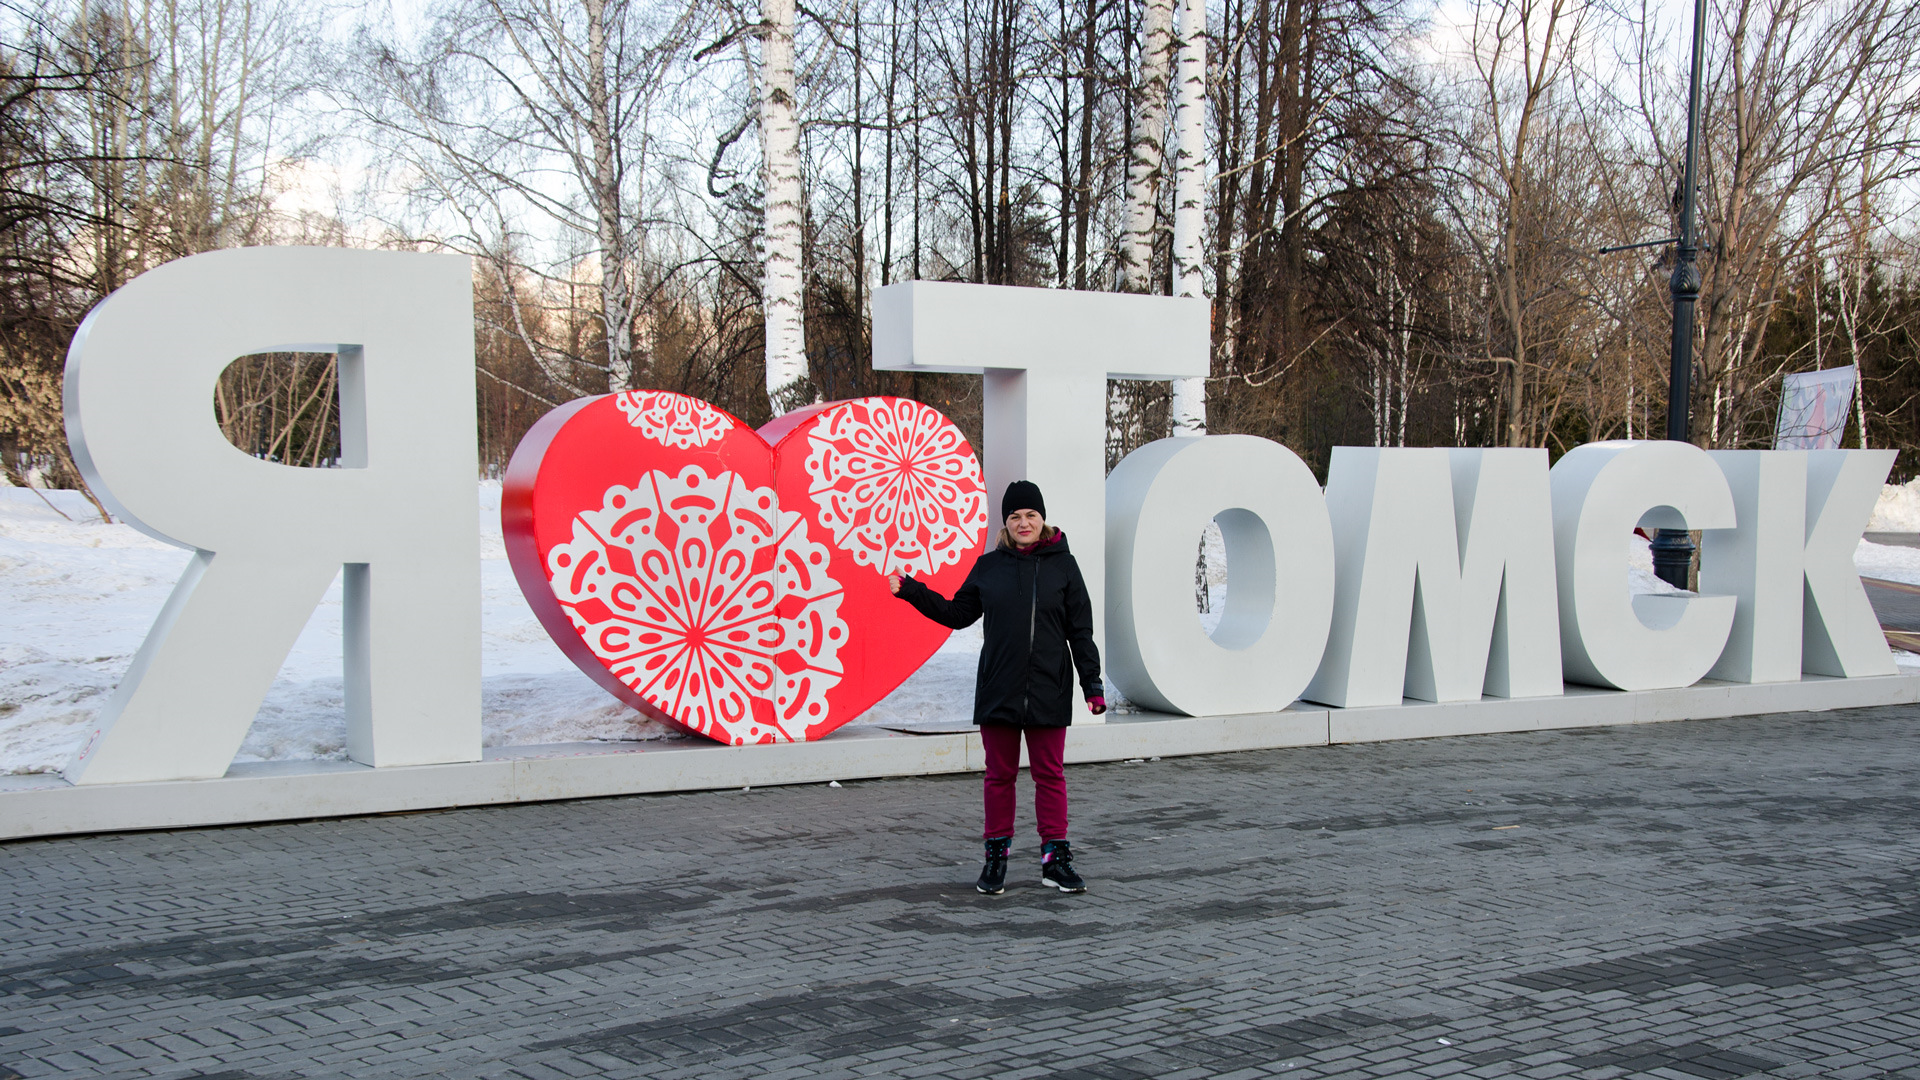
{"x":1037,"y":614}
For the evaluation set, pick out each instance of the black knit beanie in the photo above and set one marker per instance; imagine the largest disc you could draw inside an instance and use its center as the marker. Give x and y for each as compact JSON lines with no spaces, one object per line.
{"x":1022,"y":495}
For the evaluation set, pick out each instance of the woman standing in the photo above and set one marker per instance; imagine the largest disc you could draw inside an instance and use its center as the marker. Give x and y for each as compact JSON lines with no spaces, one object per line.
{"x":1039,"y":629}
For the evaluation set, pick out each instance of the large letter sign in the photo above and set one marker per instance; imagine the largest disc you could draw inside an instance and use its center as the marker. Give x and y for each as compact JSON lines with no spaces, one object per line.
{"x":1279,"y":553}
{"x":1446,"y":585}
{"x":730,"y":587}
{"x":733,"y":582}
{"x":1047,"y":355}
{"x":268,"y":539}
{"x":1609,"y":637}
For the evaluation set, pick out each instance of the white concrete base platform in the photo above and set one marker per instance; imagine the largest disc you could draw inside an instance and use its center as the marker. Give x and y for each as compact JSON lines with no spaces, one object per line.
{"x":46,"y":805}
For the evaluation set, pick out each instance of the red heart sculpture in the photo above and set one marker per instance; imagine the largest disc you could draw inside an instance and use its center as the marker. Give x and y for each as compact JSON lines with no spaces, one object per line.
{"x":733,"y":583}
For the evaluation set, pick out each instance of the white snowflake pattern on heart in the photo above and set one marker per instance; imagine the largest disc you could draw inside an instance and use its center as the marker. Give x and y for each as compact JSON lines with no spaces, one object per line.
{"x":671,"y":419}
{"x":701,"y":596}
{"x":897,"y":485}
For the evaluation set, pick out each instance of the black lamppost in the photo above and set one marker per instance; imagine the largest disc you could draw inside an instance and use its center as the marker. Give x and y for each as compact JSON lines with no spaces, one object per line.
{"x":1673,"y":548}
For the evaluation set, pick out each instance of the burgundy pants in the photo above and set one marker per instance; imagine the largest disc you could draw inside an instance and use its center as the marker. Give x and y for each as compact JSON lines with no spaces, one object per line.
{"x":1046,"y":749}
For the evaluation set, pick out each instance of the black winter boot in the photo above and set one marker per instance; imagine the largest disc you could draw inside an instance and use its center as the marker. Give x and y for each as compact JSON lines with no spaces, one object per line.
{"x":993,"y":876}
{"x":1056,"y":867}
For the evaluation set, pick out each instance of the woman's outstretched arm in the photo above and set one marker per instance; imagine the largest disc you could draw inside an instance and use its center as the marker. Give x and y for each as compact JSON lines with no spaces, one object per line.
{"x":958,"y":613}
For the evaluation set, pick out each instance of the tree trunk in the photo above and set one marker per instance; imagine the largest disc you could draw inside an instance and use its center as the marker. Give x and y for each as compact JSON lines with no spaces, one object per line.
{"x":1089,"y":90}
{"x":782,"y":284}
{"x":1190,"y":197}
{"x":859,"y":174}
{"x":616,"y":294}
{"x":886,"y":181}
{"x":1144,"y":170}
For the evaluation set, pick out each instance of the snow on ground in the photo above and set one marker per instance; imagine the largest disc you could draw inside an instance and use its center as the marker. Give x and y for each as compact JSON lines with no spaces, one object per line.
{"x":1640,"y":577}
{"x":940,"y":692}
{"x":1888,"y":562}
{"x":79,"y":596}
{"x":1898,"y":511}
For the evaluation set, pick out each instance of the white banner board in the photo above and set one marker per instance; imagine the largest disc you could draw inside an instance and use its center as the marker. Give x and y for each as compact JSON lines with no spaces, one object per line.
{"x":1813,"y":409}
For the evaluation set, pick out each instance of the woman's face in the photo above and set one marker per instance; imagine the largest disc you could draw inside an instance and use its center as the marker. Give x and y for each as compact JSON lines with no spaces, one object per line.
{"x":1025,"y":526}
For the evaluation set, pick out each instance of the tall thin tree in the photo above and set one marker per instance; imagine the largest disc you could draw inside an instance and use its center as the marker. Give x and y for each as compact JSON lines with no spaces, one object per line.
{"x":1148,"y":151}
{"x":783,"y":288}
{"x":1190,"y":195}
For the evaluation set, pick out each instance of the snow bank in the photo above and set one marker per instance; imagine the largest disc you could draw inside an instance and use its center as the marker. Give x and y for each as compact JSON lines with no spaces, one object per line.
{"x":1898,"y":509}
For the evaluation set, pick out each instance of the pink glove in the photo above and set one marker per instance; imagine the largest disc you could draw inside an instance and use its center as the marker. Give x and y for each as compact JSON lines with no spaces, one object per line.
{"x":1096,"y":705}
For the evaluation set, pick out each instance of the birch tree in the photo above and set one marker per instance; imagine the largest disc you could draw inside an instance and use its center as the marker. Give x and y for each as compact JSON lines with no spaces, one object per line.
{"x":1317,"y":128}
{"x":1147,"y":153}
{"x":1801,"y":86}
{"x":782,"y":286}
{"x":132,"y":133}
{"x":1189,"y":196}
{"x":1885,"y":156}
{"x":1522,"y":51}
{"x":1398,"y":248}
{"x":478,"y":120}
{"x":182,"y":135}
{"x":1127,"y":402}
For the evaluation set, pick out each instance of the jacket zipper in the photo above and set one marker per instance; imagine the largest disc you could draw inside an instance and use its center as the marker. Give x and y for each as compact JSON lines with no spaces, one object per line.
{"x":1033,"y":614}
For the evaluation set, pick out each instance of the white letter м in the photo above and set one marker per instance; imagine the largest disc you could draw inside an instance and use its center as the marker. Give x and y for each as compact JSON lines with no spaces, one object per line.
{"x":1445,"y":577}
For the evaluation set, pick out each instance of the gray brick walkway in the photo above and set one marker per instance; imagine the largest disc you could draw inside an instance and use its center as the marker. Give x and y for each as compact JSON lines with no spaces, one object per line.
{"x":1707,"y":899}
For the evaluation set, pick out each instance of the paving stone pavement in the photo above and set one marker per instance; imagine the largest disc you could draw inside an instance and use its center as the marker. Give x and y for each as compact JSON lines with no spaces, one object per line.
{"x":1705,"y":899}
